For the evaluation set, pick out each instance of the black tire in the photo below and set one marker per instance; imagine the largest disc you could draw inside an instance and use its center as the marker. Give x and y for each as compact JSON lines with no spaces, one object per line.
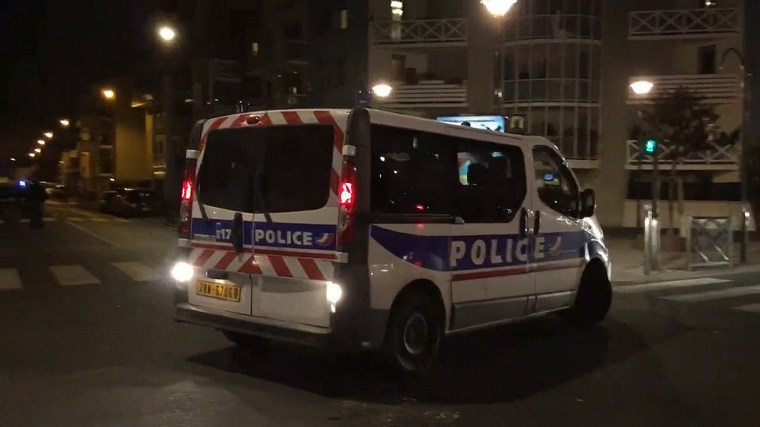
{"x":248,"y":342}
{"x":592,"y":303}
{"x":415,"y":329}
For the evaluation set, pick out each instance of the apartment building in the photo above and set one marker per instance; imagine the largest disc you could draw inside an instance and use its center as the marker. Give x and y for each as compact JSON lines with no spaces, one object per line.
{"x":565,"y":66}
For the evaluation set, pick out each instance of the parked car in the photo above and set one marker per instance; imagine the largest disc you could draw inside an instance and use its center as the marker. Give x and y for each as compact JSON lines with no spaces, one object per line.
{"x":106,"y":201}
{"x":128,"y":202}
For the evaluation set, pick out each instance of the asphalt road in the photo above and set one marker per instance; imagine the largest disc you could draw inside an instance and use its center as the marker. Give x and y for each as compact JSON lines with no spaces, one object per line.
{"x":87,"y":338}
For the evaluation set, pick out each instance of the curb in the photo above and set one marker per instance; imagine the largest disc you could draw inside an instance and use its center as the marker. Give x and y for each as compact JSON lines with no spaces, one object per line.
{"x":685,"y":274}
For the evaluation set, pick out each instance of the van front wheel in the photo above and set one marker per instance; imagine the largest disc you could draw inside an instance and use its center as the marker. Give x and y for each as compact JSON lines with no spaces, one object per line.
{"x":414,"y":333}
{"x":593,"y":299}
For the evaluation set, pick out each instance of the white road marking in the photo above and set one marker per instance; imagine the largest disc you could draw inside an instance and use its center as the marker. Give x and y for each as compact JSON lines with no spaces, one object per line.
{"x":75,"y":218}
{"x":95,"y":235}
{"x":138,"y":272}
{"x":73,"y":275}
{"x":752,"y":308}
{"x":645,"y":287}
{"x":9,"y":279}
{"x":98,"y":219}
{"x":713,"y":295}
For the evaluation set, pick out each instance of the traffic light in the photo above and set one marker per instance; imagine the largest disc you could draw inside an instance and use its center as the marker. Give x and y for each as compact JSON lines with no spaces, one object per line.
{"x":650,"y":146}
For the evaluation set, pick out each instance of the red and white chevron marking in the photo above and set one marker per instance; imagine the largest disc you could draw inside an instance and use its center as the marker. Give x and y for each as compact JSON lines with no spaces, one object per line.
{"x":266,"y":265}
{"x":293,"y":117}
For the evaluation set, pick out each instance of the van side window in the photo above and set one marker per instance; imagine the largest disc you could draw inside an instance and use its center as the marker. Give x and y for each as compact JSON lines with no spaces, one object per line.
{"x":492,"y":184}
{"x":413,"y":172}
{"x":555,"y":183}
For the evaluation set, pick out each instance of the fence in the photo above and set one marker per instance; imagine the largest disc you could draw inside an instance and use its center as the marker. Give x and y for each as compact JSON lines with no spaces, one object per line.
{"x":710,"y":242}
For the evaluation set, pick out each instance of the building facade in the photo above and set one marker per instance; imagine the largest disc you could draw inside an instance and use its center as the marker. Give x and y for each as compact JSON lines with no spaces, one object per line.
{"x":565,"y":66}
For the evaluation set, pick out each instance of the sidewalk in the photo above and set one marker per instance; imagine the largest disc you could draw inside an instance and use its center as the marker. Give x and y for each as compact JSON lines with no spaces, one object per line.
{"x":627,"y":263}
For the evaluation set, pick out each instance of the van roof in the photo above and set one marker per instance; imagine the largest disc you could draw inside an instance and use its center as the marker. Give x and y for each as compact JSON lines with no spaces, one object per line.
{"x":391,"y":118}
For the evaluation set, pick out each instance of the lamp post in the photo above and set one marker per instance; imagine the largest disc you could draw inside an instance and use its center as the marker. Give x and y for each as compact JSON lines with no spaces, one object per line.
{"x":498,"y":9}
{"x":642,"y":88}
{"x":743,"y":172}
{"x":167,"y":36}
{"x":382,"y":90}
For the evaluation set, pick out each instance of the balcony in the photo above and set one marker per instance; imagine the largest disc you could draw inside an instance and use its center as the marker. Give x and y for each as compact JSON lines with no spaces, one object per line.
{"x":686,"y":23}
{"x":556,"y":27}
{"x":426,"y":94}
{"x":715,"y":158}
{"x":713,"y":88}
{"x":421,"y":33}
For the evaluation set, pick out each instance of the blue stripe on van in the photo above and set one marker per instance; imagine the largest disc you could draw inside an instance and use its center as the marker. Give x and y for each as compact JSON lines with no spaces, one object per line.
{"x":276,"y":235}
{"x":461,"y":253}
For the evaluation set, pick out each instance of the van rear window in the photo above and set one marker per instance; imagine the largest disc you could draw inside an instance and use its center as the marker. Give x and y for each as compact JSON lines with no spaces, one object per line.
{"x":289,"y":166}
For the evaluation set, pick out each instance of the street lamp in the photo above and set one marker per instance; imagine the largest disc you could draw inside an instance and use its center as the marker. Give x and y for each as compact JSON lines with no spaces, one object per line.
{"x":642,"y":87}
{"x":32,"y":155}
{"x":498,"y":9}
{"x":167,"y":34}
{"x":48,"y":135}
{"x":37,"y":150}
{"x":13,"y":159}
{"x":41,"y":141}
{"x":108,"y":94}
{"x":382,"y":90}
{"x":64,"y":122}
{"x":743,"y":172}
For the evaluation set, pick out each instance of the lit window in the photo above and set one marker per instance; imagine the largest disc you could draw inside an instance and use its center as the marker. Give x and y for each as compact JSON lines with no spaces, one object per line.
{"x":344,"y":19}
{"x":255,"y":49}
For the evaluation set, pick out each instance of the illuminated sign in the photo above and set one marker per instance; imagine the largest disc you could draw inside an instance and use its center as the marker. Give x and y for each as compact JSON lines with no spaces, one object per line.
{"x":493,"y":123}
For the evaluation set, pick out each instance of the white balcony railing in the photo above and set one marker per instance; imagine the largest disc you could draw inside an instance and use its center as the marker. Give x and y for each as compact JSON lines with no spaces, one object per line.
{"x":423,"y":32}
{"x":713,"y":88}
{"x":428,"y":93}
{"x":715,"y":157}
{"x":685,"y":23}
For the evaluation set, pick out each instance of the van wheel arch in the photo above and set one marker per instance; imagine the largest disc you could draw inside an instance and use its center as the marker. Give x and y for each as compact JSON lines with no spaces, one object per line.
{"x":593,"y":296}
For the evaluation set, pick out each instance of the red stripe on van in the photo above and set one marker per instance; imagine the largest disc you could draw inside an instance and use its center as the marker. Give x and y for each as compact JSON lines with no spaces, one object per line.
{"x":292,"y":118}
{"x":201,"y":260}
{"x":310,"y":267}
{"x":326,"y":118}
{"x":214,"y":125}
{"x":280,"y":267}
{"x":226,"y":261}
{"x":250,"y":266}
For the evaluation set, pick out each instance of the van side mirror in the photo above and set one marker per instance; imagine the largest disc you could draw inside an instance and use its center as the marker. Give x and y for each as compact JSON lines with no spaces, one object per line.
{"x":588,"y":203}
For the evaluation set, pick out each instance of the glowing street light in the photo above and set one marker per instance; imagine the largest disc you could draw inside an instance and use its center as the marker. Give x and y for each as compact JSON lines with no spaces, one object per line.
{"x":108,"y":94}
{"x":642,"y":87}
{"x":13,"y":159}
{"x":167,"y":34}
{"x":498,"y":8}
{"x":41,"y":141}
{"x":48,"y":135}
{"x":382,"y":90}
{"x":32,"y":155}
{"x":38,"y":150}
{"x":64,"y":122}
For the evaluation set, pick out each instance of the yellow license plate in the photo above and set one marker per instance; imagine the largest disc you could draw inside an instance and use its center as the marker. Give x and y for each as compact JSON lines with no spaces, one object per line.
{"x":217,"y":290}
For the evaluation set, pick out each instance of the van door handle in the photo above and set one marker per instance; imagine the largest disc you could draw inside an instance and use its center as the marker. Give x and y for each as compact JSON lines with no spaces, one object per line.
{"x":216,"y":274}
{"x":537,"y":223}
{"x":523,"y":233}
{"x":236,"y":234}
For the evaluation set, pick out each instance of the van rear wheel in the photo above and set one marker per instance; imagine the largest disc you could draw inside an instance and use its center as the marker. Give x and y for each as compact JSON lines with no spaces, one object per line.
{"x":594,"y":298}
{"x":249,"y":342}
{"x":413,"y":338}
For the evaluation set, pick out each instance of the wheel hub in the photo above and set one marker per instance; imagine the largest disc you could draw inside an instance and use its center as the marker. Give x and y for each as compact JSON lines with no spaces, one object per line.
{"x":416,"y":334}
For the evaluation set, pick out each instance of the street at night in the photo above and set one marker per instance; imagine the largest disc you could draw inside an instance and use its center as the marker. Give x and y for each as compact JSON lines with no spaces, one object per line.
{"x":89,"y":340}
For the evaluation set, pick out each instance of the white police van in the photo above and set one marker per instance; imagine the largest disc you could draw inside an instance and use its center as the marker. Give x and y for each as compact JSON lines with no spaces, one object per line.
{"x":366,"y":230}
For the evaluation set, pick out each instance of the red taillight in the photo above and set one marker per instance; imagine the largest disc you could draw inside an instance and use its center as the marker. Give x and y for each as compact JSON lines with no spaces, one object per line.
{"x":186,"y":205}
{"x":347,"y":195}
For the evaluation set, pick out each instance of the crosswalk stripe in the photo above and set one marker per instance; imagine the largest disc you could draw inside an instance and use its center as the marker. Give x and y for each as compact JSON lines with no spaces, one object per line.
{"x":645,"y":287}
{"x":75,"y":219}
{"x":73,"y":275}
{"x":713,"y":295}
{"x":138,"y":272}
{"x":752,"y":308}
{"x":9,"y":279}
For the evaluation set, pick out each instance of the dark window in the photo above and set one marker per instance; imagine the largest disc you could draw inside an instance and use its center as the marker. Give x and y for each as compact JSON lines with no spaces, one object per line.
{"x":412,"y":172}
{"x":289,"y":165}
{"x":492,"y":183}
{"x":707,"y":57}
{"x":555,"y":184}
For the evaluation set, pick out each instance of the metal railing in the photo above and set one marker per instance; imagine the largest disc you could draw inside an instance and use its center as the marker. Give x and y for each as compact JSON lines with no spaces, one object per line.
{"x":683,"y":23}
{"x":713,"y":88}
{"x":432,"y":32}
{"x":556,"y":26}
{"x":432,"y":93}
{"x":715,"y":157}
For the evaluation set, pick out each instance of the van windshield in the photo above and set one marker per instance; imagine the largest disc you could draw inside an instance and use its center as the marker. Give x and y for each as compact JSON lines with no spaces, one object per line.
{"x":292,"y":165}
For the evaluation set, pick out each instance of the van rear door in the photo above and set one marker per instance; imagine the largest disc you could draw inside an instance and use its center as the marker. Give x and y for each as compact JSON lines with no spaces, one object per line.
{"x":281,"y":178}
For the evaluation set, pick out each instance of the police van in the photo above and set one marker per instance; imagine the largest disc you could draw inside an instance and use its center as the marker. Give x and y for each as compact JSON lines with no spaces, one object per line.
{"x":369,"y":230}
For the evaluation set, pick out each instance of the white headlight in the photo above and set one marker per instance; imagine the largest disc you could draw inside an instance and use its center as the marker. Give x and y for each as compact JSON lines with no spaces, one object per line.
{"x":334,"y":293}
{"x":182,"y":272}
